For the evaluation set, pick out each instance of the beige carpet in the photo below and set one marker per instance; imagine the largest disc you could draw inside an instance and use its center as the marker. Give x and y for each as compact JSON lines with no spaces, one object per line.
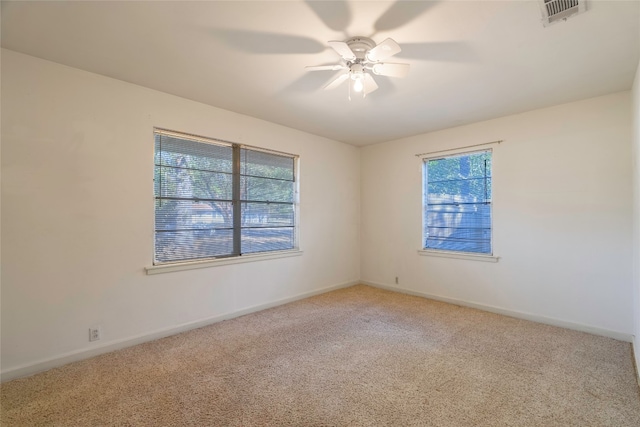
{"x":354,"y":357}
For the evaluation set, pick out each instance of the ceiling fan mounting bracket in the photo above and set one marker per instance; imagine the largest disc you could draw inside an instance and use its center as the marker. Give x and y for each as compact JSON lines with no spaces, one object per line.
{"x":360,"y":46}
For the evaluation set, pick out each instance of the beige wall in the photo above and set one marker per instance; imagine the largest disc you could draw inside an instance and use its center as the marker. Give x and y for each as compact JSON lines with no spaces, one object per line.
{"x":77,"y":216}
{"x":562,"y":217}
{"x":636,"y":214}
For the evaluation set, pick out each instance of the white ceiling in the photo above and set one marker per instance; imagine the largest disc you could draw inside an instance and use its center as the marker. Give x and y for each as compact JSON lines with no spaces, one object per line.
{"x":470,"y":60}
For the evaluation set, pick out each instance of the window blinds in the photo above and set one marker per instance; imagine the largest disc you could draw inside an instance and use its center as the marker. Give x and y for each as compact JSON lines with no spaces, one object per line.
{"x":457,"y":203}
{"x":267,"y":196}
{"x":215,"y":199}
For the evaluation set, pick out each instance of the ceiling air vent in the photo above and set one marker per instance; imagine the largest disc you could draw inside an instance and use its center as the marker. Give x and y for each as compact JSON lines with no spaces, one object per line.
{"x":559,"y":10}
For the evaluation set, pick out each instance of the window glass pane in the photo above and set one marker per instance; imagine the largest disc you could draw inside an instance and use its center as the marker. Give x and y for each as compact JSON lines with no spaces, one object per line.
{"x":187,"y":215}
{"x":198,"y":155}
{"x":267,"y":215}
{"x":192,"y":244}
{"x":268,"y":165}
{"x":267,"y":239}
{"x":457,"y":211}
{"x":187,"y":183}
{"x":265,"y":189}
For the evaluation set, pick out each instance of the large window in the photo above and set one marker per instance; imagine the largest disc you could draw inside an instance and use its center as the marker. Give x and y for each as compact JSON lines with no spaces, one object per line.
{"x":457,"y":203}
{"x":216,"y":199}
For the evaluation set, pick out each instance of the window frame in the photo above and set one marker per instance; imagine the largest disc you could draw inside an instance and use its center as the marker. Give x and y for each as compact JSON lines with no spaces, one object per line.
{"x":232,"y":258}
{"x":444,"y":253}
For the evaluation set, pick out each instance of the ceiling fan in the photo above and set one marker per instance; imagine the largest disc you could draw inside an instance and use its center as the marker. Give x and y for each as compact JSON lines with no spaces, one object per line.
{"x":360,"y":58}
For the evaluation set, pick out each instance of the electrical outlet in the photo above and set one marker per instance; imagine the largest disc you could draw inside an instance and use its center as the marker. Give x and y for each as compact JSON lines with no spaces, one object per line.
{"x":94,"y":333}
{"x":397,"y":281}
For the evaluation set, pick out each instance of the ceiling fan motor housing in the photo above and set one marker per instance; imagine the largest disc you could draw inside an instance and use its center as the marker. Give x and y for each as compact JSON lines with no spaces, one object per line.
{"x":360,"y":46}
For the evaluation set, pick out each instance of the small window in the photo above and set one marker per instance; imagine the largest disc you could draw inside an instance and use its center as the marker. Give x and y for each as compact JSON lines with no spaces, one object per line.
{"x":457,"y":203}
{"x":215,"y":199}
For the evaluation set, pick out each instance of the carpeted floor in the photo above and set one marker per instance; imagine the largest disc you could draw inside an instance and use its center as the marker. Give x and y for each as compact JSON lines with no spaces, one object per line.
{"x":353,"y":357}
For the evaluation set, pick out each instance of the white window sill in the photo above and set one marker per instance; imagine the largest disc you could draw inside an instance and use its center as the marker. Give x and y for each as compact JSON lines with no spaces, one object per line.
{"x":458,"y":255}
{"x":169,"y":268}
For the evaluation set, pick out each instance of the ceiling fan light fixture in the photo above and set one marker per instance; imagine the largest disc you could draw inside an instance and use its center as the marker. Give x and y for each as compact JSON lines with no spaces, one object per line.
{"x":357,"y":75}
{"x":358,"y":85}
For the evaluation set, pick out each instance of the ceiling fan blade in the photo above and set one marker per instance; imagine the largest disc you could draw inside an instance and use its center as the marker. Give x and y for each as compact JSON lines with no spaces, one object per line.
{"x":384,"y":50}
{"x":337,"y":81}
{"x":369,"y":84}
{"x":335,"y":67}
{"x":343,"y":50}
{"x":390,"y":69}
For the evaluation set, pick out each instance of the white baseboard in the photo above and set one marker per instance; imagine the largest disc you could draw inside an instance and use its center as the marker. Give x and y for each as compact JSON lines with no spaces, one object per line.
{"x":621,"y":336}
{"x":74,"y":356}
